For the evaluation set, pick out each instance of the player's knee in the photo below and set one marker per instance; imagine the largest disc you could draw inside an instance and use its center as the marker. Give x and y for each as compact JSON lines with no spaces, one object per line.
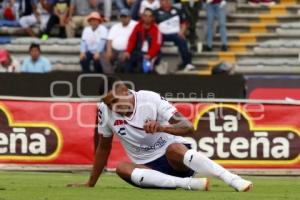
{"x":124,"y":170}
{"x":120,"y":169}
{"x":171,"y":149}
{"x":176,"y":151}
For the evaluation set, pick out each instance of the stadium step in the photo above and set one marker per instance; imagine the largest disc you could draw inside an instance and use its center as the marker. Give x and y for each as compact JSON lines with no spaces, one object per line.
{"x":251,"y":25}
{"x":254,"y":17}
{"x":268,"y":18}
{"x":256,"y":27}
{"x":14,"y":31}
{"x":258,"y":37}
{"x":289,"y":1}
{"x":275,"y":9}
{"x":47,"y":49}
{"x":275,"y":70}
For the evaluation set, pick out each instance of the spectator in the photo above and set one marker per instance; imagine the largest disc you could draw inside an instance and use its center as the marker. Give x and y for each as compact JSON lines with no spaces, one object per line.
{"x":191,"y":10}
{"x":79,"y":10}
{"x":9,"y":13}
{"x":41,"y":13}
{"x":25,"y":7}
{"x":116,"y":45}
{"x":216,"y":9}
{"x":132,"y":5}
{"x":9,"y":10}
{"x":262,"y":2}
{"x":144,"y":44}
{"x":21,"y":8}
{"x":172,"y":24}
{"x":152,"y":4}
{"x":7,"y":63}
{"x":59,"y":16}
{"x":35,"y":63}
{"x":93,"y":43}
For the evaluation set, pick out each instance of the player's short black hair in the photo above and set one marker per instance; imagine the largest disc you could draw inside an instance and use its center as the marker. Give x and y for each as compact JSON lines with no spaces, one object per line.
{"x":34,"y":45}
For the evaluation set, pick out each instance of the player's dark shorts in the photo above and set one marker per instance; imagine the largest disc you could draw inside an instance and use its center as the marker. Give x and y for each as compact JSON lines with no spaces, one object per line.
{"x":162,"y":165}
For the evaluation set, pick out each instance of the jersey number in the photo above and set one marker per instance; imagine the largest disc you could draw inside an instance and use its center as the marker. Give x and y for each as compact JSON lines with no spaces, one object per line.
{"x":122,"y":131}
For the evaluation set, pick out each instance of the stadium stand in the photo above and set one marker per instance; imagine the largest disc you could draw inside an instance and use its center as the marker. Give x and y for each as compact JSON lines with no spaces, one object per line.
{"x":262,"y":39}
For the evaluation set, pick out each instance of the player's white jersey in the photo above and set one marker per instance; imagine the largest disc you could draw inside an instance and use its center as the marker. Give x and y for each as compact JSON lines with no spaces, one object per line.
{"x":140,"y":146}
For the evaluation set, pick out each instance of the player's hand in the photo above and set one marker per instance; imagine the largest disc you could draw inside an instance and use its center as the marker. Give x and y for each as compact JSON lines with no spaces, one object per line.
{"x":79,"y":185}
{"x":152,"y":126}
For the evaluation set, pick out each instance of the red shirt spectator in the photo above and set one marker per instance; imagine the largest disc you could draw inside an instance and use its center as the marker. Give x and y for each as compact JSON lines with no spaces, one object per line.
{"x":140,"y":35}
{"x":144,"y":44}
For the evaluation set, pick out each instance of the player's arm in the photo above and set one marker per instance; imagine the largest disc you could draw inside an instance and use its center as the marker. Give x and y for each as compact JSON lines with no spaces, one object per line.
{"x":101,"y":157}
{"x":178,"y":125}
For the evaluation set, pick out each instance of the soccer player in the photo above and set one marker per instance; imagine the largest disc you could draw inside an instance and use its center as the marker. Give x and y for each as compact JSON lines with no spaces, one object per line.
{"x":151,"y":130}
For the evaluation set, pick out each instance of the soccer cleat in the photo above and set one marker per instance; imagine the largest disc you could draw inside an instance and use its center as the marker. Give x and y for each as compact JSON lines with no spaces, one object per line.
{"x":241,"y":185}
{"x":198,"y":184}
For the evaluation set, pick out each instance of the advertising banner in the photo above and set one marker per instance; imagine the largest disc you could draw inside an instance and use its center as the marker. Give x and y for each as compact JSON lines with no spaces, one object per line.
{"x":273,"y":87}
{"x":46,"y":132}
{"x":239,"y":136}
{"x":248,"y":135}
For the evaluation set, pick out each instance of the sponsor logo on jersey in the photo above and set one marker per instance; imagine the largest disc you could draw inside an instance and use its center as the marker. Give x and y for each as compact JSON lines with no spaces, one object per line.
{"x":120,"y":122}
{"x":157,"y":145}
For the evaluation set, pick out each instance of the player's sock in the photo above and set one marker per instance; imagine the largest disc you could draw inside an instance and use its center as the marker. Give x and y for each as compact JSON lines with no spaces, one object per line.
{"x":204,"y":166}
{"x":152,"y":178}
{"x":149,"y":178}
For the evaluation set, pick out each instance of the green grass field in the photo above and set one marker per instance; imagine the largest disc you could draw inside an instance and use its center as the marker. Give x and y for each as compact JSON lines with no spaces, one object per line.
{"x":51,"y":186}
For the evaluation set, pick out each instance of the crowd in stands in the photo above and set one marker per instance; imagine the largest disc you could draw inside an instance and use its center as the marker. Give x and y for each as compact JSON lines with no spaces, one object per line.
{"x":35,"y":63}
{"x":132,"y":45}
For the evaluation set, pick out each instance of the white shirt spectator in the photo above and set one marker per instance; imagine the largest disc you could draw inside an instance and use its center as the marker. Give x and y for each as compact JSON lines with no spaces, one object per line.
{"x":147,"y":4}
{"x":169,"y":22}
{"x":93,"y":40}
{"x":31,"y":20}
{"x":119,"y":35}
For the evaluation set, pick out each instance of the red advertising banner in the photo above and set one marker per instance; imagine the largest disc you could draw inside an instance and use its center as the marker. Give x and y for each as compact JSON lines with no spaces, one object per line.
{"x":240,"y":136}
{"x":46,"y":132}
{"x":248,"y":135}
{"x":275,"y":93}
